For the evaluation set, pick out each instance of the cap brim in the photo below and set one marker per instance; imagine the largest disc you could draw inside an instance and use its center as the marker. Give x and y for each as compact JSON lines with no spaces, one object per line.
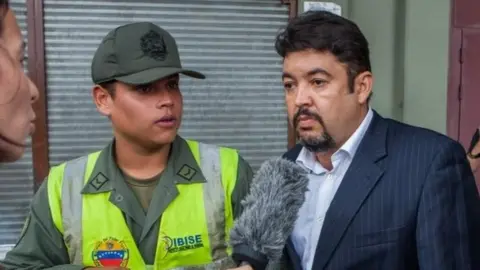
{"x":155,"y":74}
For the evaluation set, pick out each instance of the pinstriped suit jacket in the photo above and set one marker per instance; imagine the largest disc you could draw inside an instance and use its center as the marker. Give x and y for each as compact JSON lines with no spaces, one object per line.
{"x":408,"y":201}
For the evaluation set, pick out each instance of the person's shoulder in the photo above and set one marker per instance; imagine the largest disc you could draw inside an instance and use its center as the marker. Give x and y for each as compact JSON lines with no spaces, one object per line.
{"x":206,"y":144}
{"x":402,"y":130}
{"x":405,"y":134}
{"x":57,"y":171}
{"x":76,"y":159}
{"x":225,"y":149}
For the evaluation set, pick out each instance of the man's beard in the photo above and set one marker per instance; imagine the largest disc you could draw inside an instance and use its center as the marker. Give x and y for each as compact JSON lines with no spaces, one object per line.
{"x":322,"y":143}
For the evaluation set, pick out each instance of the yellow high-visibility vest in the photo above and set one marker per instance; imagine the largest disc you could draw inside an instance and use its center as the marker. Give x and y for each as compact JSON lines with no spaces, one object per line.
{"x":194,"y":229}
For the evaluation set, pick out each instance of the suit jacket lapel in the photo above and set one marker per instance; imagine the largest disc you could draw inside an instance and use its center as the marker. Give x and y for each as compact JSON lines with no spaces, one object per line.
{"x":292,"y":256}
{"x":359,"y":180}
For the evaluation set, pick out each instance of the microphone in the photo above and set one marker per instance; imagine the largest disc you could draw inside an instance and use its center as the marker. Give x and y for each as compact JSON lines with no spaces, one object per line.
{"x":270,"y":211}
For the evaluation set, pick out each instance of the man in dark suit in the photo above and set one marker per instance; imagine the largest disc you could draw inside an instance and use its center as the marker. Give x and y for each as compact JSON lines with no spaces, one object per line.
{"x":382,"y":194}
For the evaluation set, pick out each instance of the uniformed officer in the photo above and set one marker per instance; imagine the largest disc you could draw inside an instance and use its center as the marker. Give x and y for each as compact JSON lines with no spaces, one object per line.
{"x":150,"y":199}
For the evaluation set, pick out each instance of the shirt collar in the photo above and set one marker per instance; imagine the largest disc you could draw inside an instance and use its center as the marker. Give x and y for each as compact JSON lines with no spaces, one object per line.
{"x":182,"y":168}
{"x":186,"y":168}
{"x":308,"y":160}
{"x":351,"y":145}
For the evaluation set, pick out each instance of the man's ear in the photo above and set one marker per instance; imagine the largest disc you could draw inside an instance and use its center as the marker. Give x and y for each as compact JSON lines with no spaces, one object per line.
{"x":363,"y":85}
{"x":102,"y":99}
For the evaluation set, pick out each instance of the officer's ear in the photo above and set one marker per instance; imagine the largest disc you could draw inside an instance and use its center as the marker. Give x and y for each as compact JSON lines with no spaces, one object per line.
{"x":103,"y":98}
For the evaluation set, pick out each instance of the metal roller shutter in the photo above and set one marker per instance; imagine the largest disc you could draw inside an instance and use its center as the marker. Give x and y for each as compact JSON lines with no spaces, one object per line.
{"x":240,"y":104}
{"x":16,"y":179}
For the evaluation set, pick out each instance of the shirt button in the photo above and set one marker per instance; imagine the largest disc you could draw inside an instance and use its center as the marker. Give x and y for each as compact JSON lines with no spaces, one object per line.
{"x":119,"y":198}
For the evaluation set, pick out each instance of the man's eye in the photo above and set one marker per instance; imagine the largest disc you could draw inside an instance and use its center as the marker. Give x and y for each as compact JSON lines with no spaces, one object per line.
{"x":173,"y":85}
{"x":287,"y":86}
{"x":144,"y":89}
{"x":318,"y":82}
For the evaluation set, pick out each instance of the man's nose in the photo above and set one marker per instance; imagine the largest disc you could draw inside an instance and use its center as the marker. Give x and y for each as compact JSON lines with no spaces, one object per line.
{"x":34,"y":94}
{"x":303,"y":96}
{"x":165,"y":98}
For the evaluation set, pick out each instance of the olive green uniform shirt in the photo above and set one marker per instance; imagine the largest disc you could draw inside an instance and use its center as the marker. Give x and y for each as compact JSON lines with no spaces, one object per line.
{"x":41,"y":245}
{"x":143,"y":189}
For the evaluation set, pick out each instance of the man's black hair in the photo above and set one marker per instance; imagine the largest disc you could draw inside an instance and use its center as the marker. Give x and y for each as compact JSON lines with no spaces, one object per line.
{"x":324,"y":31}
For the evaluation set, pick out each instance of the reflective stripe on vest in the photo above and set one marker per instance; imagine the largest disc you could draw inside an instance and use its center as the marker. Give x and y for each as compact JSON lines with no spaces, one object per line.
{"x":86,"y":220}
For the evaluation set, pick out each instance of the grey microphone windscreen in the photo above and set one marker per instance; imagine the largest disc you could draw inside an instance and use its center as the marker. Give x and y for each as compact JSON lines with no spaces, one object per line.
{"x":271,"y":208}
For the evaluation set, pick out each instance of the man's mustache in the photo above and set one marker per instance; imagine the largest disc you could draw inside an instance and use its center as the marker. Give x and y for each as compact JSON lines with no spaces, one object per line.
{"x":306,"y":112}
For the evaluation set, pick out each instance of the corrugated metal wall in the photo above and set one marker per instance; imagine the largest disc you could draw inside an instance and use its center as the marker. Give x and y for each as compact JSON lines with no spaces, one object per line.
{"x":16,"y":179}
{"x":240,"y":105}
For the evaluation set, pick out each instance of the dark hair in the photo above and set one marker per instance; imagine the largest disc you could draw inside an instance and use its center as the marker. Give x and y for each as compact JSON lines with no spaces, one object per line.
{"x":326,"y":32}
{"x":4,"y":6}
{"x":109,"y":86}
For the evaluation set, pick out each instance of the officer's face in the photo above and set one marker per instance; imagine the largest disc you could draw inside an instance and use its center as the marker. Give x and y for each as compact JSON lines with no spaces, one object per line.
{"x":148,"y":115}
{"x":321,"y":106}
{"x":17,"y":93}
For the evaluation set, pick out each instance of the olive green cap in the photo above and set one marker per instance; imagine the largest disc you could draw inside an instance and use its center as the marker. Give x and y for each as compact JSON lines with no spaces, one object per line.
{"x":138,"y":53}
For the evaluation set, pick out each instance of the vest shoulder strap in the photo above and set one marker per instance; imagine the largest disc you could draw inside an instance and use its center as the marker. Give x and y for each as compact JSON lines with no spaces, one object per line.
{"x":73,"y":182}
{"x":219,"y":166}
{"x":65,"y":186}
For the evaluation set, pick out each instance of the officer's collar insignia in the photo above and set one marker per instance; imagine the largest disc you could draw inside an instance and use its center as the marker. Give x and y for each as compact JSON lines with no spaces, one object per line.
{"x":110,"y":252}
{"x":186,"y":172}
{"x":98,"y":181}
